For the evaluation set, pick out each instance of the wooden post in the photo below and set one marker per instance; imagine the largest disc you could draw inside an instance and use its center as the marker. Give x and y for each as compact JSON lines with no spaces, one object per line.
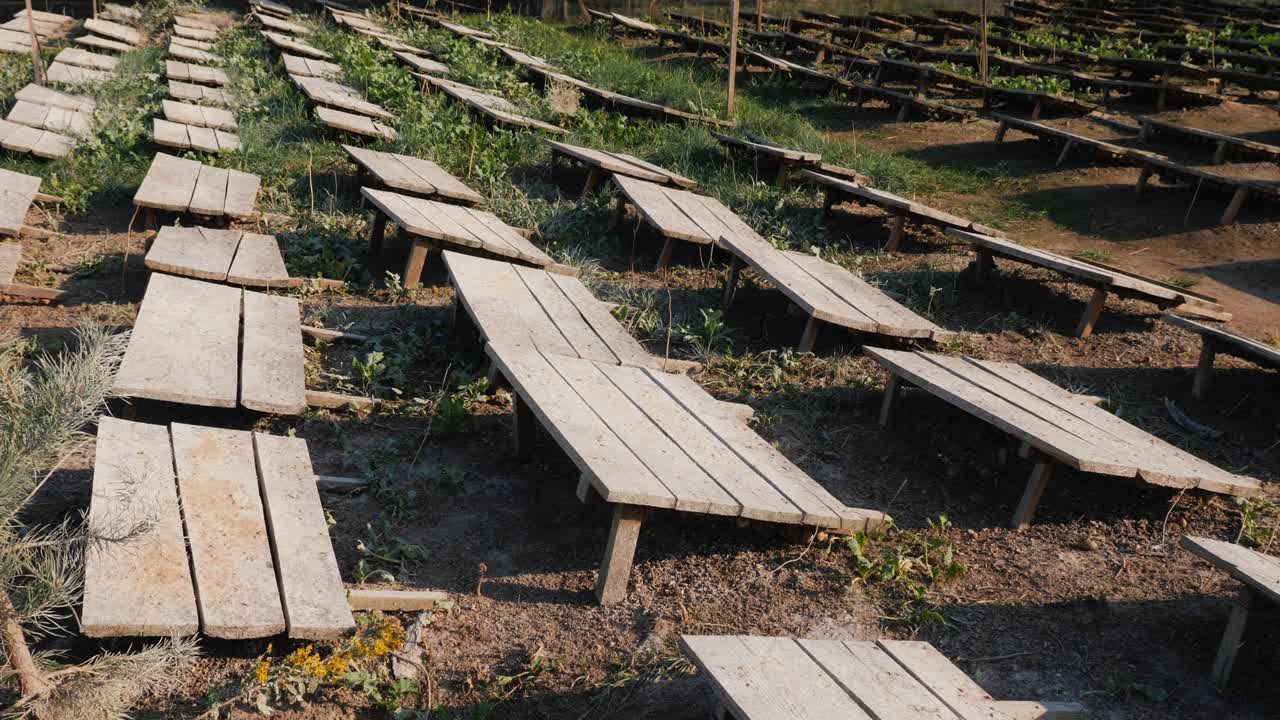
{"x":1039,"y":480}
{"x":1232,"y":637}
{"x":892,"y":398}
{"x":95,"y":9}
{"x":611,"y":586}
{"x":731,"y":282}
{"x":524,"y":426}
{"x":895,"y":237}
{"x":733,"y":52}
{"x":419,"y":251}
{"x":1233,"y":207}
{"x":982,"y":43}
{"x":810,"y":335}
{"x":377,"y":232}
{"x":1208,"y":350}
{"x":36,"y":67}
{"x":759,"y":15}
{"x":984,"y":266}
{"x":1091,"y":313}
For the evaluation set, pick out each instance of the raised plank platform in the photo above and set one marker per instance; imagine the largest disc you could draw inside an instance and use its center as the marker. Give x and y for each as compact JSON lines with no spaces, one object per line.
{"x":1260,"y":574}
{"x":338,"y":96}
{"x":198,"y":115}
{"x":1057,"y":426}
{"x":234,"y":257}
{"x":840,"y":189}
{"x":353,"y":123}
{"x":415,"y":176}
{"x":825,"y":292}
{"x":429,"y":223}
{"x":783,"y":161}
{"x":186,"y":341}
{"x":198,"y":93}
{"x":1239,"y":189}
{"x":20,"y":138}
{"x":193,"y":137}
{"x":295,"y":46}
{"x":179,"y":185}
{"x":260,"y":562}
{"x":421,"y":64}
{"x":1240,"y":147}
{"x":1104,"y":279}
{"x":186,"y":72}
{"x":768,"y":678}
{"x":497,"y":109}
{"x":186,"y":53}
{"x":17,"y":192}
{"x":1214,"y":340}
{"x":675,"y":215}
{"x":51,"y":118}
{"x":310,"y":67}
{"x":193,"y":33}
{"x":601,"y":163}
{"x":643,"y":439}
{"x":272,"y":22}
{"x":86,"y":59}
{"x":1067,"y":141}
{"x":74,"y":75}
{"x":114,"y":31}
{"x":530,"y":307}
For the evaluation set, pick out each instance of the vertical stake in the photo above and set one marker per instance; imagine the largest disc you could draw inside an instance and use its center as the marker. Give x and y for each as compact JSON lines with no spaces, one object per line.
{"x":35,"y":45}
{"x":733,"y":51}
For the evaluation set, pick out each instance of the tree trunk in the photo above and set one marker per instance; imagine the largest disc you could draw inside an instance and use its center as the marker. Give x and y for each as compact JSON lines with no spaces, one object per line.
{"x":31,"y":681}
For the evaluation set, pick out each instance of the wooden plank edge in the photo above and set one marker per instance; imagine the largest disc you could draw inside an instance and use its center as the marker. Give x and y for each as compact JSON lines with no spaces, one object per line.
{"x":395,"y":600}
{"x":335,"y":483}
{"x":338,"y":401}
{"x":327,"y":335}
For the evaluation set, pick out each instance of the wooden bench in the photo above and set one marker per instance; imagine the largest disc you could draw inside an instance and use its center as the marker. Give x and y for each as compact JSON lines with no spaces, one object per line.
{"x":1055,"y":426}
{"x":421,"y":64}
{"x":295,"y":46}
{"x":20,"y":138}
{"x":199,"y":74}
{"x":839,"y":189}
{"x":1214,"y":340}
{"x":1104,"y":279}
{"x":497,"y":301}
{"x":601,"y":163}
{"x":769,"y":678}
{"x":460,"y":30}
{"x":643,"y":439}
{"x":74,"y":75}
{"x":246,"y":508}
{"x":338,"y":96}
{"x":296,"y":65}
{"x":114,"y":31}
{"x":496,"y":109}
{"x":993,"y":96}
{"x":193,"y":137}
{"x":271,"y":6}
{"x":73,"y":122}
{"x":1066,"y":140}
{"x":179,"y":185}
{"x":198,"y":93}
{"x":784,"y":160}
{"x":1241,"y":147}
{"x":185,"y":348}
{"x":233,"y":257}
{"x":429,"y":223}
{"x":1260,"y":575}
{"x":907,"y":102}
{"x":412,"y":175}
{"x":86,"y":59}
{"x":10,"y":258}
{"x":1239,"y":188}
{"x":675,"y":215}
{"x":101,"y":43}
{"x":354,"y":123}
{"x":198,"y":115}
{"x":824,"y":291}
{"x":195,"y":33}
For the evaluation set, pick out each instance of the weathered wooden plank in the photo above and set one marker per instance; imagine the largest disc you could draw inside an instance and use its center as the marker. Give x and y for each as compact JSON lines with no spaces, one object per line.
{"x":170,"y":134}
{"x":198,"y":93}
{"x":890,"y":317}
{"x":17,"y":192}
{"x":422,"y":64}
{"x":395,"y":600}
{"x":140,"y":586}
{"x":258,"y":263}
{"x":502,"y":306}
{"x":654,"y":206}
{"x":1261,"y":352}
{"x":315,"y":602}
{"x":956,"y":690}
{"x":594,"y":313}
{"x":204,"y":140}
{"x":878,"y":682}
{"x":353,"y":123}
{"x":562,"y":311}
{"x":102,"y":43}
{"x":235,"y":578}
{"x":769,"y":678}
{"x":614,"y":471}
{"x":10,"y":257}
{"x":201,"y":253}
{"x":210,"y":194}
{"x":169,"y":183}
{"x":84,"y":58}
{"x":184,"y":345}
{"x":1257,"y":570}
{"x":195,"y":33}
{"x":65,"y":74}
{"x":272,"y":378}
{"x":298,"y":47}
{"x":46,"y":96}
{"x":114,"y":30}
{"x":389,"y":171}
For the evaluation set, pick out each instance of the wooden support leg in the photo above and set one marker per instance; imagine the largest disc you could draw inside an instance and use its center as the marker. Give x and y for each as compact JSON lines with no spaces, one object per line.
{"x":594,"y":176}
{"x":828,"y":201}
{"x":984,"y":267}
{"x":1232,"y":638}
{"x":1066,"y":150}
{"x":903,"y":110}
{"x":1219,"y":152}
{"x":1040,"y":475}
{"x":1001,"y":130}
{"x":1208,"y":350}
{"x":731,"y":282}
{"x":1161,"y":96}
{"x":376,"y":233}
{"x":895,"y":236}
{"x":611,"y":586}
{"x":1233,"y":207}
{"x":664,"y":257}
{"x":523,"y":426}
{"x":1144,"y":134}
{"x":810,"y":335}
{"x":1091,"y":312}
{"x":783,"y":172}
{"x":1143,"y":179}
{"x":150,"y":222}
{"x":1035,"y":109}
{"x":419,"y":250}
{"x":619,"y":212}
{"x":892,"y":398}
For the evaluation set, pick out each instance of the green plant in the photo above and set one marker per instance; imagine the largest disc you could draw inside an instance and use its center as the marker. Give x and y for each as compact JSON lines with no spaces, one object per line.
{"x":1100,"y":256}
{"x":704,"y":339}
{"x":1186,"y":282}
{"x":1254,"y":513}
{"x":901,"y":567}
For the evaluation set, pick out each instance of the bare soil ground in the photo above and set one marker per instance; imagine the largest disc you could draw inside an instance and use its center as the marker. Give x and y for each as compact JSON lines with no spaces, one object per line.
{"x":1096,"y":602}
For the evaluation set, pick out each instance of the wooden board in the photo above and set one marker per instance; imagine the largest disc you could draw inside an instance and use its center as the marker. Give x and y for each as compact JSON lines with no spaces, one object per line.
{"x":622,"y":164}
{"x":235,"y":577}
{"x":102,"y":43}
{"x":310,"y":67}
{"x":185,"y":344}
{"x":193,"y":137}
{"x":17,"y":192}
{"x":337,"y":95}
{"x":495,"y":108}
{"x":193,"y":55}
{"x":1230,"y":342}
{"x":274,"y":23}
{"x":186,"y":72}
{"x":194,"y":252}
{"x":114,"y":30}
{"x":140,"y":586}
{"x":65,"y":74}
{"x":315,"y":602}
{"x":83,"y":58}
{"x":421,"y":64}
{"x":47,"y":96}
{"x":198,"y":93}
{"x":10,"y":258}
{"x":272,"y":378}
{"x":53,"y":119}
{"x":657,"y":208}
{"x":198,"y":115}
{"x":1257,"y":570}
{"x":353,"y":123}
{"x":775,"y":151}
{"x":195,"y":33}
{"x":295,"y":46}
{"x":188,"y":42}
{"x":896,"y":203}
{"x":412,"y":175}
{"x":258,"y":263}
{"x":465,"y":227}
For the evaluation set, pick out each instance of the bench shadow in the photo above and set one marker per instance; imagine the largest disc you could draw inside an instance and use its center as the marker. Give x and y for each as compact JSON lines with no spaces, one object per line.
{"x":1260,"y":278}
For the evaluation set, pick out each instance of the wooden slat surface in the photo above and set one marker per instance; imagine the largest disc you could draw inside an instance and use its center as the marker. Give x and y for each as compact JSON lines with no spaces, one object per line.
{"x":242,"y":195}
{"x":337,"y":95}
{"x":198,"y":115}
{"x":114,"y":30}
{"x":209,"y":197}
{"x":187,"y":72}
{"x":141,"y":586}
{"x":17,"y":192}
{"x":931,"y":668}
{"x":272,"y":378}
{"x":258,"y":263}
{"x":881,"y":685}
{"x":295,"y":46}
{"x":1262,"y":353}
{"x":84,"y":58}
{"x":354,"y":123}
{"x":235,"y":577}
{"x":169,"y":183}
{"x":47,"y":96}
{"x":498,"y":109}
{"x":65,"y":74}
{"x":185,"y":343}
{"x":198,"y":93}
{"x":657,"y":209}
{"x":298,"y":65}
{"x":315,"y":601}
{"x":896,"y":203}
{"x":1257,"y":570}
{"x":194,"y":252}
{"x":10,"y":257}
{"x":412,"y":174}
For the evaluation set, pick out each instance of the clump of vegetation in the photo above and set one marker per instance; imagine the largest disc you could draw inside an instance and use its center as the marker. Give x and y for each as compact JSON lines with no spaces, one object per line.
{"x":1186,"y":282}
{"x":1259,"y":521}
{"x":1092,"y":255}
{"x":901,"y":568}
{"x":46,"y":402}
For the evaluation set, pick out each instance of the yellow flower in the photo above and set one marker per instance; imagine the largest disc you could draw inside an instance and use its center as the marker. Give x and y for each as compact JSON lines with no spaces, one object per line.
{"x":261,"y":671}
{"x":380,"y":648}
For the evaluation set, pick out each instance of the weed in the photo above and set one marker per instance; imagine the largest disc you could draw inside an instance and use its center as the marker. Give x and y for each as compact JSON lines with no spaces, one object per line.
{"x":705,"y":338}
{"x":1186,"y":282}
{"x":901,"y":567}
{"x":1253,"y":513}
{"x":1100,"y":256}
